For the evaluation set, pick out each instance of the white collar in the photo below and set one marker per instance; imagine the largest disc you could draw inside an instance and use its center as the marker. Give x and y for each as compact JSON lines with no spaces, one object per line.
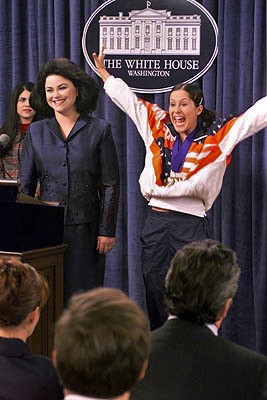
{"x":79,"y":397}
{"x":213,"y":328}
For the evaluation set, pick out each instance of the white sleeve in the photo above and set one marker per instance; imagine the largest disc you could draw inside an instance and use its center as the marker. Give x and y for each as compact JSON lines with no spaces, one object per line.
{"x":121,"y":95}
{"x":250,"y":122}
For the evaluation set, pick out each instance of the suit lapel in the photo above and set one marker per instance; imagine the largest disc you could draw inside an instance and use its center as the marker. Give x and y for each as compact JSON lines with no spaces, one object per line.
{"x":53,"y":126}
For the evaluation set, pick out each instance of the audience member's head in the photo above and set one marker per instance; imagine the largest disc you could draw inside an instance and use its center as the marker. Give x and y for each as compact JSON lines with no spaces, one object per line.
{"x":201,"y":282}
{"x":101,"y":344}
{"x":23,"y":292}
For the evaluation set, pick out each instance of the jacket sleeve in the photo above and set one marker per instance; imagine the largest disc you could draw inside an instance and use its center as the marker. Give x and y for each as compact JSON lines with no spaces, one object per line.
{"x":109,"y":191}
{"x":27,"y":169}
{"x":148,"y":118}
{"x":253,"y":120}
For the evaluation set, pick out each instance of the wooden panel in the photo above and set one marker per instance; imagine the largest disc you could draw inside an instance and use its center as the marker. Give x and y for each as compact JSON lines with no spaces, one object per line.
{"x":49,"y":262}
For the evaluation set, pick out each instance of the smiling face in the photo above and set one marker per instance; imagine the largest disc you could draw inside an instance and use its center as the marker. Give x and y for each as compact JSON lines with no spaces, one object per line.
{"x":60,"y":94}
{"x":183,"y":112}
{"x":24,"y":110}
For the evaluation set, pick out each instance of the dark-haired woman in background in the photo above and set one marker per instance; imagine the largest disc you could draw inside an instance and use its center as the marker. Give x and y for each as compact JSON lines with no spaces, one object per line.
{"x":19,"y":116}
{"x":23,"y":292}
{"x":187,"y":152}
{"x":74,"y":157}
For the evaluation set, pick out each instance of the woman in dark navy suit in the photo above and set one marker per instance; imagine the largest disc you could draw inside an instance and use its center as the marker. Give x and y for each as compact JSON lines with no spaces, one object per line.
{"x":74,"y":157}
{"x":24,"y":376}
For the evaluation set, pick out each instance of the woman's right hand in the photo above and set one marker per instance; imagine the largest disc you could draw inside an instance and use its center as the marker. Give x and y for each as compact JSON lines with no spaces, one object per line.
{"x":99,"y":61}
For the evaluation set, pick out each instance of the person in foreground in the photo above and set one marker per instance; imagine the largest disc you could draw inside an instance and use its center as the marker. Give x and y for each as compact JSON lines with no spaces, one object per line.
{"x":73,"y":155}
{"x":24,"y":376}
{"x":101,"y":345}
{"x":19,"y":116}
{"x":187,"y":152}
{"x":188,"y":359}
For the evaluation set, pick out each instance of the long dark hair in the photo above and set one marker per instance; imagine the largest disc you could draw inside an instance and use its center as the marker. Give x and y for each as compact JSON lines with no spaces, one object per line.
{"x":207,"y":117}
{"x":88,"y":90}
{"x":11,"y":124}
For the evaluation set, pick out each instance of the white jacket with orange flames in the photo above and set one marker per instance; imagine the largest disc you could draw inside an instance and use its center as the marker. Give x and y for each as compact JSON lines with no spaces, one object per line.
{"x":205,"y":163}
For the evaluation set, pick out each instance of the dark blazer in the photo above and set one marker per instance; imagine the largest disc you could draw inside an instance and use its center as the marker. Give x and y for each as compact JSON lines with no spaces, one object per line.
{"x":25,"y":376}
{"x":188,"y":362}
{"x":81,"y":172}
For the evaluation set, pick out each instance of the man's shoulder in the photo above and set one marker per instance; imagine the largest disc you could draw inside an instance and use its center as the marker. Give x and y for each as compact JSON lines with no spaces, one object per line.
{"x":240,"y":352}
{"x":177,"y":332}
{"x":189,"y":361}
{"x":188,"y":335}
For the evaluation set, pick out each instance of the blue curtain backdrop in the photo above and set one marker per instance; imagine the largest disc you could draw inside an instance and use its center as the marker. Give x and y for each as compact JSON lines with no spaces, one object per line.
{"x":33,"y":31}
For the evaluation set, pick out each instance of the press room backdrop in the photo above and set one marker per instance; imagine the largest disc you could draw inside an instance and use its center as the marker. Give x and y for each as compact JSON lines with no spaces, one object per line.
{"x":33,"y":31}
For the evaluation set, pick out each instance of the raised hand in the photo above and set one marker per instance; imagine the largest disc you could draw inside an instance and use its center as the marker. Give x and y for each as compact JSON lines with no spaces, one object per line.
{"x":100,"y":64}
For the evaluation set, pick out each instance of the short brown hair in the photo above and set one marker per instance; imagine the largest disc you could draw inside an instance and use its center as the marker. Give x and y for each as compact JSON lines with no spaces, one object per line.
{"x":101,"y":342}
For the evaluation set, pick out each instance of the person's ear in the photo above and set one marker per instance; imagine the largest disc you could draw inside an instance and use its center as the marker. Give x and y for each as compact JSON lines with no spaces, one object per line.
{"x":143,"y":370}
{"x":31,"y":321}
{"x":226,"y":308}
{"x":54,"y":358}
{"x":34,"y":316}
{"x":199,"y":109}
{"x":224,"y":312}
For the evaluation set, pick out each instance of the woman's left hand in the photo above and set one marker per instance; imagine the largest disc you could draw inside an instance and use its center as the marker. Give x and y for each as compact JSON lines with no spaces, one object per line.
{"x":105,"y":244}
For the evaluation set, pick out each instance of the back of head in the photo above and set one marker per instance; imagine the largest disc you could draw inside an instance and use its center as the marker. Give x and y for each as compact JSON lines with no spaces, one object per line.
{"x":87,"y":87}
{"x":101,"y":343}
{"x":203,"y":275}
{"x":22,"y":289}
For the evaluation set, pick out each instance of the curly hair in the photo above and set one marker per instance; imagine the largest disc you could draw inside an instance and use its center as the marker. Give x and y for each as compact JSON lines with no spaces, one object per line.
{"x":87,"y":88}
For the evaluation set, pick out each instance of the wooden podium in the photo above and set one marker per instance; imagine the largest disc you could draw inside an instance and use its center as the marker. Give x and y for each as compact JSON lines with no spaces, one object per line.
{"x":33,"y":232}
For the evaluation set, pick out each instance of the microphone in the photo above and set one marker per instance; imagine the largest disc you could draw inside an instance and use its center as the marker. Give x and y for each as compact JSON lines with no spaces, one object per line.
{"x":4,"y":140}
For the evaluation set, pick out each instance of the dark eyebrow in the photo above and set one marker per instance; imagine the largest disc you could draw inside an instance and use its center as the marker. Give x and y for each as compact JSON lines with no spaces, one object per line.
{"x":61,"y":84}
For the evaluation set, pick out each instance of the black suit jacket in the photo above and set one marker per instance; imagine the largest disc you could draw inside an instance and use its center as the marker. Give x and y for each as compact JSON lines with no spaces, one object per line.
{"x":25,"y":376}
{"x":81,"y":172}
{"x":188,"y":362}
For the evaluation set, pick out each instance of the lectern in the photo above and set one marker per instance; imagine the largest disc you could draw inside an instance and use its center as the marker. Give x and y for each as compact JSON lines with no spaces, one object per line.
{"x":32,"y":231}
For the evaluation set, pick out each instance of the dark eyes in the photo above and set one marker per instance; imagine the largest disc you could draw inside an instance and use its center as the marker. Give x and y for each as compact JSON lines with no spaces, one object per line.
{"x":183,"y":104}
{"x":48,"y":90}
{"x":22,"y":100}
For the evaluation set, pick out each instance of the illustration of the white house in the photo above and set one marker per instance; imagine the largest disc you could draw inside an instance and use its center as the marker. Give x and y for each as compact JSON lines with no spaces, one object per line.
{"x":150,"y":31}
